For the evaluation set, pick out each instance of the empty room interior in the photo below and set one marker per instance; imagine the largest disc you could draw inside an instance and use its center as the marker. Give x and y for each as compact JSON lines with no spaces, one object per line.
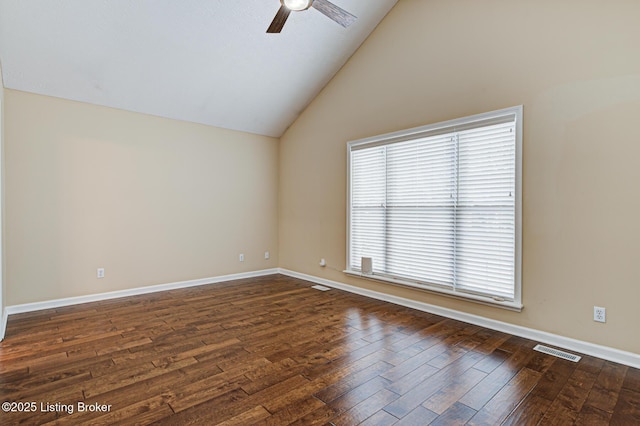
{"x":377,"y":212}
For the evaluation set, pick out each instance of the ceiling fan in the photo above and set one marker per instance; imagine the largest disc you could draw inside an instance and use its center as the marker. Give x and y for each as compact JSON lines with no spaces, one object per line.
{"x":325,"y":7}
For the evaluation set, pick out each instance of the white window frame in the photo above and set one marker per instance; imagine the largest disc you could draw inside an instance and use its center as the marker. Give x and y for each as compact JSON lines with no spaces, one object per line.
{"x":433,"y":129}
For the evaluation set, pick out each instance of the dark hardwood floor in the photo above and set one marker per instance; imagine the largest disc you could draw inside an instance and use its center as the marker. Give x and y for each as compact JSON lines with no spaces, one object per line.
{"x":273,"y":351}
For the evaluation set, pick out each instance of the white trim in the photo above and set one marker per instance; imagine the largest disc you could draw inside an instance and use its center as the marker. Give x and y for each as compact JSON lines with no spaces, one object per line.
{"x":444,"y":126}
{"x":482,"y":119}
{"x":57,"y":303}
{"x":470,"y":297}
{"x":605,"y":352}
{"x":518,"y":209}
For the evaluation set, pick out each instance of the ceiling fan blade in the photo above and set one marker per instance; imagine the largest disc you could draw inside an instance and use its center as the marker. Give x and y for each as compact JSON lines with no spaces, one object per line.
{"x":279,"y":20}
{"x":334,"y":12}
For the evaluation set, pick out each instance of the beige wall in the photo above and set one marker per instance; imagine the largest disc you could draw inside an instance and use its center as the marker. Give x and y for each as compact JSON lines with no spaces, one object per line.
{"x":151,"y":200}
{"x":575,"y":67}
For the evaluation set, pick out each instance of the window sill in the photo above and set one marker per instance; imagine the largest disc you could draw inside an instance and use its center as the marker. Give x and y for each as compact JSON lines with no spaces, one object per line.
{"x":484,"y":300}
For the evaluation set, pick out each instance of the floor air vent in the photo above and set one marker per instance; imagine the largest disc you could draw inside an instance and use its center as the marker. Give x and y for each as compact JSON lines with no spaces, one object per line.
{"x":320,"y":287}
{"x":557,"y":352}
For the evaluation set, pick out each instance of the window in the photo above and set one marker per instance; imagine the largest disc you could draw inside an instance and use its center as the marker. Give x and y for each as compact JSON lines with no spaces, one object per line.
{"x":439,"y":207}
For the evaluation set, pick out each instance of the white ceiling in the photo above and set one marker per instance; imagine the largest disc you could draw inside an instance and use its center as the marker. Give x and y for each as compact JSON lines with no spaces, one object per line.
{"x":205,"y":61}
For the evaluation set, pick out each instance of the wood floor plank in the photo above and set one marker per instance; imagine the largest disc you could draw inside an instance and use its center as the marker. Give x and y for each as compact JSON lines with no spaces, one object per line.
{"x":270,"y":374}
{"x":206,"y":389}
{"x":126,"y":377}
{"x":554,"y":379}
{"x":248,"y":417}
{"x":380,"y":418}
{"x":359,"y":394}
{"x":411,"y":399}
{"x":442,"y":400}
{"x":477,"y":397}
{"x":272,"y":351}
{"x":211,"y":412}
{"x":32,"y":361}
{"x":351,"y":381}
{"x":320,"y":416}
{"x":292,"y":412}
{"x":606,"y":389}
{"x":37,"y":384}
{"x":358,"y":358}
{"x":457,"y":414}
{"x":530,"y":412}
{"x":366,"y":408}
{"x":503,"y":403}
{"x":632,"y":380}
{"x":419,"y":416}
{"x":492,"y":360}
{"x":568,"y":404}
{"x":627,"y":409}
{"x":592,"y":416}
{"x":412,"y":379}
{"x":292,"y":394}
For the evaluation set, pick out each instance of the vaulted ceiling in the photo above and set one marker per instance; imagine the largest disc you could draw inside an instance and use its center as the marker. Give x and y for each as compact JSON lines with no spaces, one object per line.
{"x":204,"y":61}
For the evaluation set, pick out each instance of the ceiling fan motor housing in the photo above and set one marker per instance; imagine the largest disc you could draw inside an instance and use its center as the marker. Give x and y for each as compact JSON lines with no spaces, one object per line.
{"x":297,"y":5}
{"x":330,"y":10}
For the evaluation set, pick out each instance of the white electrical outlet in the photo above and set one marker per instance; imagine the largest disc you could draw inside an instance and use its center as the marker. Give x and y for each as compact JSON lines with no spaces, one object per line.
{"x":100,"y":272}
{"x":241,"y":257}
{"x":267,"y":255}
{"x":599,"y":314}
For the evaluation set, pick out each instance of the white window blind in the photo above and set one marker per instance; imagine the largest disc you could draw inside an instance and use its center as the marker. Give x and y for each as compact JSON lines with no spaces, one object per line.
{"x":438,"y":206}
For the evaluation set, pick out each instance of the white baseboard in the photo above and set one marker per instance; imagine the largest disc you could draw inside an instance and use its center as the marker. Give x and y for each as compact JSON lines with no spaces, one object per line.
{"x":616,"y":355}
{"x":58,"y":303}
